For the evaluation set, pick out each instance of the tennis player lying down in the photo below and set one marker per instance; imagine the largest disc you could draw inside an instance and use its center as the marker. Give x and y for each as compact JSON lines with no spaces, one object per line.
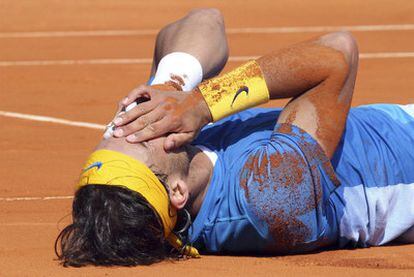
{"x":313,"y":175}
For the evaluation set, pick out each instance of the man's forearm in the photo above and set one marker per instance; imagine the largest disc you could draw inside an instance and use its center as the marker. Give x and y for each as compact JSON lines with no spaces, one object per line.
{"x":284,"y":74}
{"x":297,"y":69}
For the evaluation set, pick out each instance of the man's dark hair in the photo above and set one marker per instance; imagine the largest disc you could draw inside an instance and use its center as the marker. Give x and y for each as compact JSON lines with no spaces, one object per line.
{"x":112,"y":226}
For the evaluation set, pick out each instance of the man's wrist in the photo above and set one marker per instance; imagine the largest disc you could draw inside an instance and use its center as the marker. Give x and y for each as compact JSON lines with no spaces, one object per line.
{"x":242,"y":88}
{"x":202,"y":106}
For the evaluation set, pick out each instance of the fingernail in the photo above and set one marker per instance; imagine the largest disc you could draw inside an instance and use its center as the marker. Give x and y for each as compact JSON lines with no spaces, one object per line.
{"x":118,"y":120}
{"x":118,"y":132}
{"x":131,"y":138}
{"x":170,"y":145}
{"x":125,"y":101}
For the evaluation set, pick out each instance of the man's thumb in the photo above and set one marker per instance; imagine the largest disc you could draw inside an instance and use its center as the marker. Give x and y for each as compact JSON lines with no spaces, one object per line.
{"x":176,"y":140}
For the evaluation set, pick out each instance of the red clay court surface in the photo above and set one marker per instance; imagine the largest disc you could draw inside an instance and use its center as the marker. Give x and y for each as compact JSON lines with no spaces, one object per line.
{"x":75,"y":61}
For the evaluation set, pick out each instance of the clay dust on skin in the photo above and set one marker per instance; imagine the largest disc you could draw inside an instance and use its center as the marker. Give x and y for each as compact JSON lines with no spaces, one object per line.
{"x":281,"y":187}
{"x":176,"y":81}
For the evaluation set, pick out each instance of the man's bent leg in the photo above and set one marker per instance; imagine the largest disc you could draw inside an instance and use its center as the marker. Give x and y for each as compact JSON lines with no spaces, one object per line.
{"x":200,"y":33}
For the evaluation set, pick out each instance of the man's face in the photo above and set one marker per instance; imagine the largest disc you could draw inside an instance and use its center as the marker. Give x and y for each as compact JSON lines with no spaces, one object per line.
{"x":152,"y":153}
{"x":156,"y":157}
{"x":173,"y":165}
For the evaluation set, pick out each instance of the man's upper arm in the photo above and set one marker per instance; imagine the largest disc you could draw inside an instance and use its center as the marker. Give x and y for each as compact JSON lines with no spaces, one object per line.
{"x":322,"y":110}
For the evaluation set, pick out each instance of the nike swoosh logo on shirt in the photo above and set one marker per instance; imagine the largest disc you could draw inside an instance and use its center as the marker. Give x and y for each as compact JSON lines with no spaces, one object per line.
{"x":238,"y":92}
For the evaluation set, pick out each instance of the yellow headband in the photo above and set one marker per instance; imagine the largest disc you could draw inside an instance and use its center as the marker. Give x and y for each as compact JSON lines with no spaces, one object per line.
{"x":111,"y":168}
{"x":106,"y":167}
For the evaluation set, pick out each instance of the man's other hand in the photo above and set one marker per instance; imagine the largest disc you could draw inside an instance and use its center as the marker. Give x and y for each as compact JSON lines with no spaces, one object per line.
{"x":177,"y":115}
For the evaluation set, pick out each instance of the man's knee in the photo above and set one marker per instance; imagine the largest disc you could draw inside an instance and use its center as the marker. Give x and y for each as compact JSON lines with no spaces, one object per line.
{"x":207,"y":15}
{"x":196,"y":17}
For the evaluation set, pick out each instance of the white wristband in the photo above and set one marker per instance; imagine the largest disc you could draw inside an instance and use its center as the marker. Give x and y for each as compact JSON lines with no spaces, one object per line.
{"x":181,"y":68}
{"x":178,"y":67}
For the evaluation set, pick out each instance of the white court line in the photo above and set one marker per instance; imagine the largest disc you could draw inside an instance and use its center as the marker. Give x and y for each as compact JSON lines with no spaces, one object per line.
{"x":379,"y":55}
{"x":52,"y":120}
{"x":75,"y":62}
{"x":386,"y":55}
{"x":315,"y":29}
{"x":31,"y":198}
{"x":83,"y":33}
{"x":246,"y":30}
{"x":14,"y":224}
{"x":55,"y":120}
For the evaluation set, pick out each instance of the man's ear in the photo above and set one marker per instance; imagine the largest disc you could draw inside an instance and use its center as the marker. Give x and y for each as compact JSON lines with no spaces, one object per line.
{"x":179,"y":193}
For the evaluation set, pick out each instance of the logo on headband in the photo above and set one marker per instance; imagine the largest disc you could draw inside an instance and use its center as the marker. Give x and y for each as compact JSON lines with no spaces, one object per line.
{"x":98,"y":165}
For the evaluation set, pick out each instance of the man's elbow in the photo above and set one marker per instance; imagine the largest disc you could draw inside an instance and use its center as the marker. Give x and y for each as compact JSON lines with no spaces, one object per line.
{"x":345,"y":64}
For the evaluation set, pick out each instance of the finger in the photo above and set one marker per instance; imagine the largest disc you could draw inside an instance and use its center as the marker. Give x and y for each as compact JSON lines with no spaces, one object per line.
{"x":109,"y":130}
{"x":117,"y":114}
{"x":136,"y":112}
{"x":118,"y":111}
{"x":141,"y":91}
{"x":153,"y":130}
{"x":173,"y":141}
{"x":139,"y":124}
